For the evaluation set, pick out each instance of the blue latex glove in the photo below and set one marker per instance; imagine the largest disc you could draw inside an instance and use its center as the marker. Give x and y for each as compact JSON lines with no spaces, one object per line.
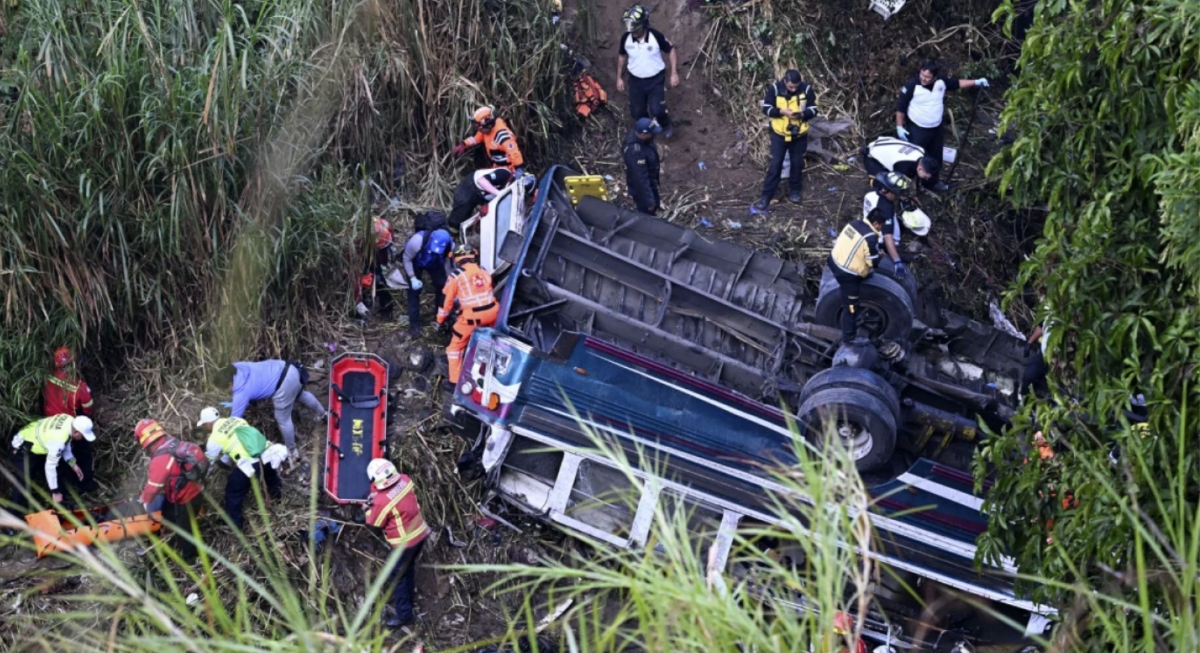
{"x":982,"y":82}
{"x":227,"y":404}
{"x":901,"y":271}
{"x":415,"y":283}
{"x":902,"y":132}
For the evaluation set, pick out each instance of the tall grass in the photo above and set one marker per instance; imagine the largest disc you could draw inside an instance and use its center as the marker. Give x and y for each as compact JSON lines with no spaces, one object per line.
{"x":146,"y":139}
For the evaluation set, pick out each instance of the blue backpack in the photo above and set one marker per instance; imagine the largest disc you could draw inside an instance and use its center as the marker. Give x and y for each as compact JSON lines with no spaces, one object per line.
{"x":434,"y":247}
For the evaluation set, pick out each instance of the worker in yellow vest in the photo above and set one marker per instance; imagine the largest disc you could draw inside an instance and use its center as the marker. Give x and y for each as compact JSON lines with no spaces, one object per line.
{"x":790,"y":103}
{"x":245,"y":449}
{"x":853,"y":259}
{"x":40,"y":447}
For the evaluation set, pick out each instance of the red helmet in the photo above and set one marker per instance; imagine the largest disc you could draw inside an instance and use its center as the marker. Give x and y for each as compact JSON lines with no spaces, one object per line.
{"x":843,"y":623}
{"x":63,"y":357}
{"x":383,"y":232}
{"x":148,"y":431}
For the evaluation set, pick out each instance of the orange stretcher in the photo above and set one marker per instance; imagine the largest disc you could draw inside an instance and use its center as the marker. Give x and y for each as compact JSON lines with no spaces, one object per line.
{"x":53,"y":531}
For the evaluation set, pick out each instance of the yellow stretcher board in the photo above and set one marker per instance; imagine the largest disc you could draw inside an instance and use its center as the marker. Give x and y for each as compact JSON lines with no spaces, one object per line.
{"x":580,"y":186}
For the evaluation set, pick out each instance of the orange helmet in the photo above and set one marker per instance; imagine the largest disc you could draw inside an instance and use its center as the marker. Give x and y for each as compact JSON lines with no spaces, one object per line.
{"x":843,"y":623}
{"x":383,"y":232}
{"x":63,"y":357}
{"x":148,"y":431}
{"x":484,"y":117}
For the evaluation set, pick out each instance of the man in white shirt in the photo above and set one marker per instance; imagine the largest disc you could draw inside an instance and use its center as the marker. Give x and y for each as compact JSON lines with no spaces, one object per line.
{"x":921,"y":106}
{"x":641,"y":53}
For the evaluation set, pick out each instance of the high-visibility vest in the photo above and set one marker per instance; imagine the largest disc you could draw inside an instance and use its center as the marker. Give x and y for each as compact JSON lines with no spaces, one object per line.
{"x":780,"y":125}
{"x":49,"y":430}
{"x":397,"y":512}
{"x":852,"y":251}
{"x":471,"y":285}
{"x":500,"y":145}
{"x":225,"y":434}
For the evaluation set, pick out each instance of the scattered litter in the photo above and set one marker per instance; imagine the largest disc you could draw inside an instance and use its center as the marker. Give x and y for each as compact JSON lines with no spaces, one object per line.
{"x":227,"y":404}
{"x":192,"y":599}
{"x":607,"y":177}
{"x":841,"y":167}
{"x":319,"y":365}
{"x":489,"y":513}
{"x":733,"y":225}
{"x":833,"y":232}
{"x":705,"y":223}
{"x":486,"y":523}
{"x":331,"y":346}
{"x":754,"y":211}
{"x":554,"y":615}
{"x":850,"y":160}
{"x":833,"y":189}
{"x":700,"y":164}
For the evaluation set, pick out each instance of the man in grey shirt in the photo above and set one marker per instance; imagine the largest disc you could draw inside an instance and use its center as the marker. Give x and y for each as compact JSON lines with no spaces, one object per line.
{"x":426,"y":251}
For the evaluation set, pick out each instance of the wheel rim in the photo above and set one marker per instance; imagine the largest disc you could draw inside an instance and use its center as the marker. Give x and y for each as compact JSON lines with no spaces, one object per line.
{"x":871,"y":318}
{"x":855,"y":437}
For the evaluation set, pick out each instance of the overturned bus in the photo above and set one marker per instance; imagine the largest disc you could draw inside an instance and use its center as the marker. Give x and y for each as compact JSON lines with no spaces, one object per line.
{"x":695,"y":358}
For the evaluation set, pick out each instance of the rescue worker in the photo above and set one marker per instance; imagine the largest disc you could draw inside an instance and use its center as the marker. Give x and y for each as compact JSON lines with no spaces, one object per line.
{"x":373,"y":285}
{"x":474,"y":191}
{"x":66,"y":393}
{"x":642,"y":165}
{"x":429,"y":252}
{"x":921,"y":106}
{"x":278,"y":380}
{"x":174,"y":481}
{"x":854,"y":257}
{"x":498,"y":141}
{"x":889,"y":196}
{"x":790,"y":103}
{"x":471,"y":286}
{"x":641,"y":54}
{"x":392,"y":506}
{"x":38,"y":449}
{"x":240,"y":446}
{"x":843,"y":630}
{"x":887,"y":154}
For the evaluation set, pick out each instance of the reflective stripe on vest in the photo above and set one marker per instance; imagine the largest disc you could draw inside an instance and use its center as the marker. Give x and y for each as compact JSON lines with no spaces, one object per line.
{"x":851,"y":251}
{"x":889,"y":151}
{"x":780,"y":125}
{"x":474,"y":286}
{"x":405,"y":532}
{"x":224,"y":433}
{"x":51,"y":430}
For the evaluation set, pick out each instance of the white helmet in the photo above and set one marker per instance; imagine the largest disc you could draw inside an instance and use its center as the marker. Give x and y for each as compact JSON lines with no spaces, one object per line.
{"x":84,"y":425}
{"x":917,"y":221}
{"x":382,"y":473}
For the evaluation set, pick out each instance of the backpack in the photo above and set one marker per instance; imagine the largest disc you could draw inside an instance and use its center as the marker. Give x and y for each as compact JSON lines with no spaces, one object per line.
{"x":253,"y":441}
{"x":192,"y":463}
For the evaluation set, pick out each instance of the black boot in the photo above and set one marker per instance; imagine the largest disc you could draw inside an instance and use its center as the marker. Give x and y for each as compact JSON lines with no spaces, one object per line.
{"x":762,"y":204}
{"x":797,"y":191}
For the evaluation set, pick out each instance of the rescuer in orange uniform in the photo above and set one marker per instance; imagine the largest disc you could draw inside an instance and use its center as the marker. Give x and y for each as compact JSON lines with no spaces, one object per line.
{"x":471,"y":285}
{"x":393,"y":507}
{"x":498,"y":141}
{"x":177,"y":470}
{"x":66,"y":393}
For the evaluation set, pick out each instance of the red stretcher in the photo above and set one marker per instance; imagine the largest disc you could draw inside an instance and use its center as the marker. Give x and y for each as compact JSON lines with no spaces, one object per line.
{"x":357,"y":429}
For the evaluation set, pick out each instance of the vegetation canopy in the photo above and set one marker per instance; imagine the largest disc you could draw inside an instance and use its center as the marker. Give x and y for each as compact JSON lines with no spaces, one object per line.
{"x":1105,"y":115}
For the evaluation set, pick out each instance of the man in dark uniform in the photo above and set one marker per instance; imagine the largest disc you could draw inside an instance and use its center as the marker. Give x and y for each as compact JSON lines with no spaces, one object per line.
{"x":889,"y":197}
{"x":921,"y":106}
{"x":641,"y":165}
{"x":790,"y":103}
{"x":888,"y":154}
{"x":854,"y":256}
{"x":475,"y":190}
{"x":641,"y":53}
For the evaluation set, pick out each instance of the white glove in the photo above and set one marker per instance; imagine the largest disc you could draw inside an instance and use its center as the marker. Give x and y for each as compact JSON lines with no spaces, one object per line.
{"x":415,"y":283}
{"x":362,"y":309}
{"x":902,"y":132}
{"x":17,"y":441}
{"x":982,"y":81}
{"x":275,"y":455}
